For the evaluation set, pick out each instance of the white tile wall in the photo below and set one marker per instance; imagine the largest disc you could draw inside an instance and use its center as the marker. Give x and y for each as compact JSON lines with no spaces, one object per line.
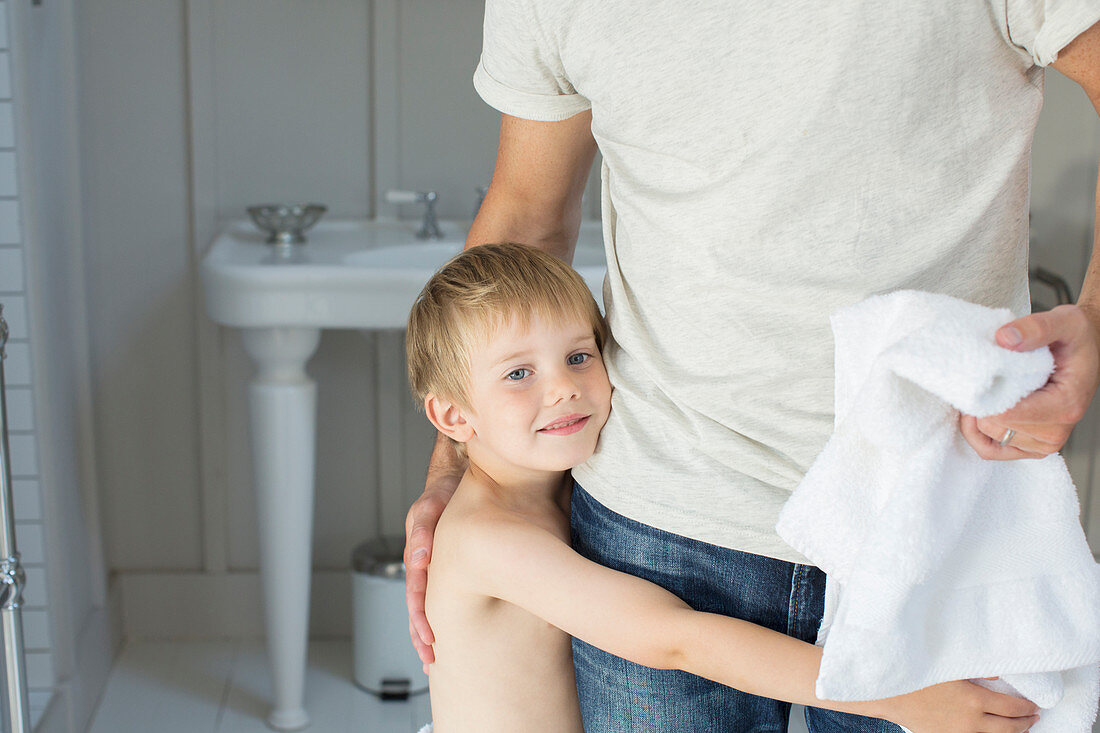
{"x":17,"y":367}
{"x":19,"y":399}
{"x":24,"y":454}
{"x":7,"y":126}
{"x":25,"y":497}
{"x":11,"y":269}
{"x":28,"y":540}
{"x":8,"y":186}
{"x":9,"y":222}
{"x":15,"y":313}
{"x":36,"y":629}
{"x":20,"y":409}
{"x":39,"y":669}
{"x":34,"y":594}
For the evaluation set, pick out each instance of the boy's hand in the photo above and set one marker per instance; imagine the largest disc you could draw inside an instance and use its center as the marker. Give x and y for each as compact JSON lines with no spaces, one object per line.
{"x":962,"y":707}
{"x":1043,"y":420}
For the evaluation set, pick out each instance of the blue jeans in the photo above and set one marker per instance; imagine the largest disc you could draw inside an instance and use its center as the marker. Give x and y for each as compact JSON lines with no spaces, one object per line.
{"x":618,"y":696}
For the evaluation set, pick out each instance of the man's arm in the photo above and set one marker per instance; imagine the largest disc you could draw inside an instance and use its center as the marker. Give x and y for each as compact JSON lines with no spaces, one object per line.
{"x":632,"y":618}
{"x":534,"y":198}
{"x":1044,"y":419}
{"x":538,"y":181}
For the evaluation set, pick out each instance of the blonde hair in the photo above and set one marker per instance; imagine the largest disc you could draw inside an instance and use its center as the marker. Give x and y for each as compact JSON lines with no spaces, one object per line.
{"x":474,"y":293}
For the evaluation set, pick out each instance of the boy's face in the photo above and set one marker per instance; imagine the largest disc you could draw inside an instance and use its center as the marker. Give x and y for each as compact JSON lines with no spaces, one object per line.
{"x":538,"y":397}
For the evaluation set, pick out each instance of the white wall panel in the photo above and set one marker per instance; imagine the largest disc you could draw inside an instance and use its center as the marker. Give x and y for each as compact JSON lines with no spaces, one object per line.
{"x":140,"y":285}
{"x":17,"y":367}
{"x":5,"y":75}
{"x":291,"y":83}
{"x":9,"y":222}
{"x":11,"y":270}
{"x":24,"y":454}
{"x":15,"y":313}
{"x":439,"y":47}
{"x":31,"y":543}
{"x":20,"y":408}
{"x":26,"y":495}
{"x":7,"y":126}
{"x":8,"y":178}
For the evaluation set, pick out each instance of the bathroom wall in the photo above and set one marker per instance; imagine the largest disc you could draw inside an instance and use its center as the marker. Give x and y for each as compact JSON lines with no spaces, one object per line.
{"x":20,"y":392}
{"x":192,"y":109}
{"x":68,"y":640}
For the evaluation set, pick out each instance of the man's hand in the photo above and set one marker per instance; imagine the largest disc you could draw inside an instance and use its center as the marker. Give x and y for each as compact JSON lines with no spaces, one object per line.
{"x":419,"y":530}
{"x":1044,"y":419}
{"x":445,"y":470}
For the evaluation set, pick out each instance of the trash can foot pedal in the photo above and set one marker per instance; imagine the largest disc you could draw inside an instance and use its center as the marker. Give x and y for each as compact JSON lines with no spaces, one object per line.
{"x":395,"y":689}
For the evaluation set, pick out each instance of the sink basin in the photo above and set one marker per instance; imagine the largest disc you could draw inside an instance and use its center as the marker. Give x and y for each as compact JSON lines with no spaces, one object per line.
{"x":350,"y":274}
{"x":428,"y":255}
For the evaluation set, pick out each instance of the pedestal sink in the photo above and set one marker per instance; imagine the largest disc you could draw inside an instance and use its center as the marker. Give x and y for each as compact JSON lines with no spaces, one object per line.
{"x":361,"y":274}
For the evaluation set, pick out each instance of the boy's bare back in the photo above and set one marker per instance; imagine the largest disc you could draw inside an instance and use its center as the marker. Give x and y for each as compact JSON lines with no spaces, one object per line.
{"x":497,"y":667}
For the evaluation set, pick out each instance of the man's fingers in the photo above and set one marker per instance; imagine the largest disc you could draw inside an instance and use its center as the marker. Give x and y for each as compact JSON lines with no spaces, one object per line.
{"x":991,"y":449}
{"x":416,"y":582}
{"x":418,"y":546}
{"x":1042,"y":328}
{"x":1072,"y":340}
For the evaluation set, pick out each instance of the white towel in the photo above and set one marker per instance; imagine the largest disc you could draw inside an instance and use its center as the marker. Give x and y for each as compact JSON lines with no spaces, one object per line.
{"x":941,"y":565}
{"x":426,"y":729}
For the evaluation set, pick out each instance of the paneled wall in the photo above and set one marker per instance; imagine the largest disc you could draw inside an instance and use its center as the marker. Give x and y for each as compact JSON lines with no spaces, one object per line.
{"x":190,"y":111}
{"x":193,"y":109}
{"x":19,"y":393}
{"x":67,"y":634}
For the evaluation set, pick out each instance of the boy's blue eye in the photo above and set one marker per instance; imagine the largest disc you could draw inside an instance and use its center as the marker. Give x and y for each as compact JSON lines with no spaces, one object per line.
{"x":513,"y":377}
{"x":581,"y":358}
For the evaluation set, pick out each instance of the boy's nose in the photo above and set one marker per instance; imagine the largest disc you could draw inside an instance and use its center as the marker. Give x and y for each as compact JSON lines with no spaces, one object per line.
{"x":562,"y":387}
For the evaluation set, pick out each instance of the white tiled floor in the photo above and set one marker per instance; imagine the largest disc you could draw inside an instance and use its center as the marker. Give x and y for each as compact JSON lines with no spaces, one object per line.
{"x":224,"y":687}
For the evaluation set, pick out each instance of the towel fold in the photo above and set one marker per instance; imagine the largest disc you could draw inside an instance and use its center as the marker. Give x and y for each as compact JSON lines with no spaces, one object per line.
{"x":941,"y":565}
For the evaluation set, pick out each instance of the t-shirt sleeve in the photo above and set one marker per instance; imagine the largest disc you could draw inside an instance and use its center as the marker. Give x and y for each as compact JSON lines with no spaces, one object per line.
{"x":520,"y":72}
{"x":1042,"y":28}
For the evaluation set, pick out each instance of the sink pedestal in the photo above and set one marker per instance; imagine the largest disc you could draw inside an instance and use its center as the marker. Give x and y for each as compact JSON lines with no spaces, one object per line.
{"x":282,"y":402}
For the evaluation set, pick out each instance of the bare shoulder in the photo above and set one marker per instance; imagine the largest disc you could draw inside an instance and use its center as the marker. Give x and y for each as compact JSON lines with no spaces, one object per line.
{"x":481,"y":542}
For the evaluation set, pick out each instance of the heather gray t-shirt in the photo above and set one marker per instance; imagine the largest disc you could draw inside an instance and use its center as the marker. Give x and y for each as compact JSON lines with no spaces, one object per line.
{"x":763,"y":165}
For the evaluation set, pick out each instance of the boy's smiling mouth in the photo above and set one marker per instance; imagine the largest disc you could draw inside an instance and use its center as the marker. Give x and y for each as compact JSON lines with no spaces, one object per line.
{"x":566,"y":425}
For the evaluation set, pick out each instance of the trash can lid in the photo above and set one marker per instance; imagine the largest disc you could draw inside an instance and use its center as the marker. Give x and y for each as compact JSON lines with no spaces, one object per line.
{"x":381,"y":557}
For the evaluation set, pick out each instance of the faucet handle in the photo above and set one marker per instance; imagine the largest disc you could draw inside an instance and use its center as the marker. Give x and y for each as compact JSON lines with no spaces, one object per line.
{"x":429,"y":228}
{"x":482,"y":192}
{"x":395,"y":196}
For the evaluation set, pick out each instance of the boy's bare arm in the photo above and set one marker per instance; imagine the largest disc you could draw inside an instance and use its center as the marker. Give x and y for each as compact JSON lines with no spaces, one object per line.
{"x":534,"y":198}
{"x":632,"y":618}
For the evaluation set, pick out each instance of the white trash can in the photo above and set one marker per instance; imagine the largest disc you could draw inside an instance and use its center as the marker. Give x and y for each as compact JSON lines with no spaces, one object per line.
{"x":386,"y":663}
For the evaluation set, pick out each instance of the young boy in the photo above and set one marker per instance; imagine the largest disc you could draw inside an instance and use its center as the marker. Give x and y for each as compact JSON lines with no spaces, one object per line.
{"x":504,"y":352}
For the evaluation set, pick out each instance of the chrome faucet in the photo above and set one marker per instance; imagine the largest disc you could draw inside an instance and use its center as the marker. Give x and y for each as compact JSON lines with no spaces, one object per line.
{"x":429,"y":227}
{"x":482,"y":191}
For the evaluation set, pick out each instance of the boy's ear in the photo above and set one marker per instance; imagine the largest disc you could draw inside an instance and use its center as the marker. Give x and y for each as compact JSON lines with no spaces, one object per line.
{"x":448,"y":418}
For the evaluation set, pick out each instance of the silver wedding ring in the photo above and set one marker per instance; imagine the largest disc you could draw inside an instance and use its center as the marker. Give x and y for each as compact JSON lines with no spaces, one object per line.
{"x":1007,"y":437}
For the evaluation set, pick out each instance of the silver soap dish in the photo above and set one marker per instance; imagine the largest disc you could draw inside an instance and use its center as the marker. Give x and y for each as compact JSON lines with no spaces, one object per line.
{"x":286,"y":224}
